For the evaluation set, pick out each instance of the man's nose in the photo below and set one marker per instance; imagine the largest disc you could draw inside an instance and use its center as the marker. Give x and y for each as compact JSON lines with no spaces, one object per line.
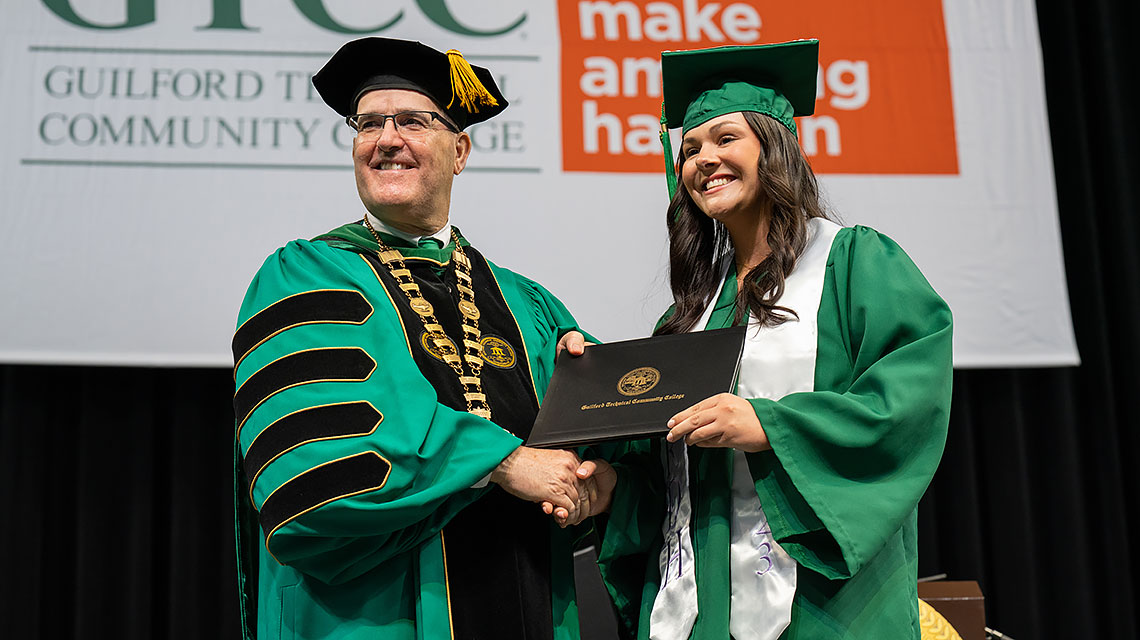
{"x":389,"y":138}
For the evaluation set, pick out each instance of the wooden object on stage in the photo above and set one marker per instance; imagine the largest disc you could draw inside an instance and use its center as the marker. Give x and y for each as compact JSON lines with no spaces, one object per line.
{"x":960,"y":602}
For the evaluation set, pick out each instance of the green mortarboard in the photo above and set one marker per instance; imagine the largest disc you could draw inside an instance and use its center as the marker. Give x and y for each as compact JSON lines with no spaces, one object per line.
{"x":466,"y":93}
{"x":777,"y":80}
{"x":774,"y":79}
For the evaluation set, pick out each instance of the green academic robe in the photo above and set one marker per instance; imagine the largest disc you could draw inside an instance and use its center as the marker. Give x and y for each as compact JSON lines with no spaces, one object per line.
{"x":849,"y":462}
{"x":350,"y":461}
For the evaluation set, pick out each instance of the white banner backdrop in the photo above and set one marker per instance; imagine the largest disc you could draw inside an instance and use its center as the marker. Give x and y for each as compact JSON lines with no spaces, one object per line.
{"x":154,"y":152}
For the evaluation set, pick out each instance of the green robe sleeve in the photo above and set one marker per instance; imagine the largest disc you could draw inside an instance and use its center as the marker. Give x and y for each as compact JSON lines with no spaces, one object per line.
{"x":631,"y":531}
{"x":851,"y":459}
{"x":552,"y":320}
{"x":355,"y":459}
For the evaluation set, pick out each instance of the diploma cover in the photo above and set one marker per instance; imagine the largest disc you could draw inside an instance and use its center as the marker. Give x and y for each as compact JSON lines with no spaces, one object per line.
{"x":630,"y":389}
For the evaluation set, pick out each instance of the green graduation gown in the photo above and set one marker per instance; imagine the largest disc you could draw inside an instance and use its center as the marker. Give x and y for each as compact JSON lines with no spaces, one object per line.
{"x":849,"y":462}
{"x":352,"y":462}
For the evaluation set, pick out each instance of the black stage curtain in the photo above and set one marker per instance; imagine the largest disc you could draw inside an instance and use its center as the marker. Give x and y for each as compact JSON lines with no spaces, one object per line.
{"x":117,"y":491}
{"x":116,"y":481}
{"x":1035,"y":497}
{"x":1035,"y":501}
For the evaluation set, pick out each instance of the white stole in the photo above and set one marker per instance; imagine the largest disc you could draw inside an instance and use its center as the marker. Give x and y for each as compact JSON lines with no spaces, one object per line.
{"x":776,"y":361}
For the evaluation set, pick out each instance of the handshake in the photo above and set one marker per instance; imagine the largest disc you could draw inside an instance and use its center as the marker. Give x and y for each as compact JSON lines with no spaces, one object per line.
{"x":567,"y":487}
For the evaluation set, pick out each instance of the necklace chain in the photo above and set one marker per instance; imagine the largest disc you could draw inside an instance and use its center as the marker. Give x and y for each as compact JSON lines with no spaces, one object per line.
{"x":472,"y":354}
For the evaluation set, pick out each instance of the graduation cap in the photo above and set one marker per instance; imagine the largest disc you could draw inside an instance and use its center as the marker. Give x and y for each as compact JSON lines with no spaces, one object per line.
{"x":466,"y":93}
{"x":777,"y":80}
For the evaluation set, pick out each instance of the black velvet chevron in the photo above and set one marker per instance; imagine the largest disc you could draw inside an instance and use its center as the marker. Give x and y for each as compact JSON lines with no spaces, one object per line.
{"x":315,"y":423}
{"x":315,"y":365}
{"x":332,"y":306}
{"x":345,"y":477}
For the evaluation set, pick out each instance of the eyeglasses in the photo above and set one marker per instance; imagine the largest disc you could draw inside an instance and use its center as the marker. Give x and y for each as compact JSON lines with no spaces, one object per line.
{"x":408,"y":123}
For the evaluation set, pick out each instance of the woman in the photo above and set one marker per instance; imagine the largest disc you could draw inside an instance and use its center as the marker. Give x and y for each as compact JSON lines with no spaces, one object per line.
{"x":788,"y":509}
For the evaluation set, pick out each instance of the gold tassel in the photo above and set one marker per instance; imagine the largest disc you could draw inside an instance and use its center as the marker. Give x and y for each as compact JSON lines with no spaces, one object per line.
{"x":465,"y":85}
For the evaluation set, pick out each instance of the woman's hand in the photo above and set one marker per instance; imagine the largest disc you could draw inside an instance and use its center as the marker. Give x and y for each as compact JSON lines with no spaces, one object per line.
{"x":724,"y":420}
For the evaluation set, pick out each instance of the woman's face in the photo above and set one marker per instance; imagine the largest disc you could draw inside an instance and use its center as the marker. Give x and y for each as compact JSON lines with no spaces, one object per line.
{"x":720,"y":167}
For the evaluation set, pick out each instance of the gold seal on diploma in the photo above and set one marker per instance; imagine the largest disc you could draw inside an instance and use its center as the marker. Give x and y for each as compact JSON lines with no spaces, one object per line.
{"x":654,"y":379}
{"x":638,"y":381}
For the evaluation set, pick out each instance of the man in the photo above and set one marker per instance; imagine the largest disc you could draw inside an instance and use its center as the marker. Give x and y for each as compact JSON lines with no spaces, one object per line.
{"x":386,"y":376}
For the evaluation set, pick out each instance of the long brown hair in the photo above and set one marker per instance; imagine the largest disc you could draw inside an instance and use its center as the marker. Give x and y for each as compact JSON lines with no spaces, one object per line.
{"x":698,"y":244}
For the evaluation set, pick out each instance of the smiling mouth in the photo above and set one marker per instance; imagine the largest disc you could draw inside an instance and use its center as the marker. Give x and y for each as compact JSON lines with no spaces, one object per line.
{"x":718,"y":181}
{"x":393,"y":166}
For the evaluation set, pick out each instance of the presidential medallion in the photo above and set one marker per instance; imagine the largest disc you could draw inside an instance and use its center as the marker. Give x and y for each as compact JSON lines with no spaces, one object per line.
{"x":434,"y":340}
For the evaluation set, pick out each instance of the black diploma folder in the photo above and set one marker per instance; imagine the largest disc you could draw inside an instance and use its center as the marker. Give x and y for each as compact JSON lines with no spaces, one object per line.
{"x":626,"y":390}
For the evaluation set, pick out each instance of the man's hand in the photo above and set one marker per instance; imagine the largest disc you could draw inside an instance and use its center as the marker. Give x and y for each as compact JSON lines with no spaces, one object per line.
{"x":541,"y":475}
{"x":573,"y":342}
{"x":594,"y":495}
{"x":724,"y":420}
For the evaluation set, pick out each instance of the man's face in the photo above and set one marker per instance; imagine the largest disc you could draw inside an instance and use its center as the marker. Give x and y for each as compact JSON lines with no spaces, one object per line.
{"x":405,"y":180}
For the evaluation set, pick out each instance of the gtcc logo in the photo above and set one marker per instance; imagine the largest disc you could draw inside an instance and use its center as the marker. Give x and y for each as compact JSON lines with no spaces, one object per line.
{"x":227,"y":15}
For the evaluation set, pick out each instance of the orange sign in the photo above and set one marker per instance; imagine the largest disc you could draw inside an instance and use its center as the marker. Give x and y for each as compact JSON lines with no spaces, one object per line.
{"x":883,"y":103}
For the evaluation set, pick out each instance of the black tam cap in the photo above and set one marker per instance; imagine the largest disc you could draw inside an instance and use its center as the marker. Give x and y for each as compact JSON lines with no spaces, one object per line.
{"x":466,"y":93}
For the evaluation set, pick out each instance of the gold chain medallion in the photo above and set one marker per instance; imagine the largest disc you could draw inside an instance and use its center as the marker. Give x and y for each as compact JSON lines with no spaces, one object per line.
{"x":468,"y":309}
{"x":434,"y":335}
{"x":428,"y":344}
